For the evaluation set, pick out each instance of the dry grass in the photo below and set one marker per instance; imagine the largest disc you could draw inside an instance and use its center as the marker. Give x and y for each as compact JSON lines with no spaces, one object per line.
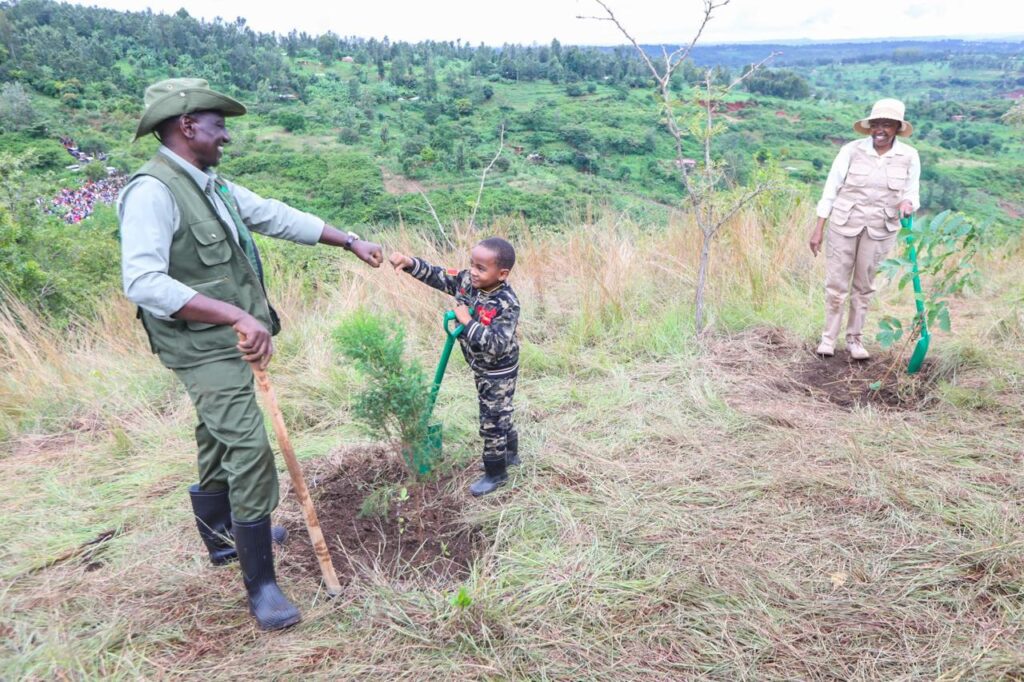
{"x":678,"y":515}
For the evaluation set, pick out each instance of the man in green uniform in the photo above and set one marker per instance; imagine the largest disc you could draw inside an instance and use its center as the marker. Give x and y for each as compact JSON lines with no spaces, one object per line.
{"x":190,"y":263}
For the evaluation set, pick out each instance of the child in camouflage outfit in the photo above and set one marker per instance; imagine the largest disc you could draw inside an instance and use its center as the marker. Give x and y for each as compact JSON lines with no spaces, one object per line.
{"x":489,"y":311}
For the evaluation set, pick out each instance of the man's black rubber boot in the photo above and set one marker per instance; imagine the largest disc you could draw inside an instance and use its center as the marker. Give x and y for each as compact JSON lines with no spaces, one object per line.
{"x":494,"y":477}
{"x":267,"y":603}
{"x":511,"y":451}
{"x":213,"y":519}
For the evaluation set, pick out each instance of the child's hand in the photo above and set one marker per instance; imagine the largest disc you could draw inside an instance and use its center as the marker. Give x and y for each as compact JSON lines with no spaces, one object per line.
{"x":462,"y":314}
{"x":399,"y":261}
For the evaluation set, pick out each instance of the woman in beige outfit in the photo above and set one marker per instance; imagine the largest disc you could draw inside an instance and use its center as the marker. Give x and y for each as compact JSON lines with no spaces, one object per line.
{"x":874,"y":181}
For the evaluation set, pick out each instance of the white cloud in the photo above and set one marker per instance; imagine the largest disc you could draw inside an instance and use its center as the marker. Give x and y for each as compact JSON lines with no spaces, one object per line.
{"x":527,"y":21}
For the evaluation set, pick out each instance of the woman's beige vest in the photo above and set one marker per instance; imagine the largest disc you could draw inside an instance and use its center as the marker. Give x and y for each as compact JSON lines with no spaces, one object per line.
{"x":871,"y":194}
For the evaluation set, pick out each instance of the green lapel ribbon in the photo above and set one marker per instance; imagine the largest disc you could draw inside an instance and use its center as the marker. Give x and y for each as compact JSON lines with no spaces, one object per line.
{"x":245,"y":239}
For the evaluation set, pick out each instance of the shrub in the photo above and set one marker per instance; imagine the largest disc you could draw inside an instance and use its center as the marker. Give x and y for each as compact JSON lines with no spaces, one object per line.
{"x":292,"y":121}
{"x":396,"y":397}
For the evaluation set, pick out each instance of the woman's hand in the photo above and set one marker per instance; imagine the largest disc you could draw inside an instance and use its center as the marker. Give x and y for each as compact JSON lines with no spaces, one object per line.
{"x":906,"y":208}
{"x":817,"y":235}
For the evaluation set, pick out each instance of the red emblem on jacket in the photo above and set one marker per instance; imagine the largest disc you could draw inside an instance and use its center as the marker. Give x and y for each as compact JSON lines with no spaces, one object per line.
{"x":485,"y":315}
{"x":452,"y":271}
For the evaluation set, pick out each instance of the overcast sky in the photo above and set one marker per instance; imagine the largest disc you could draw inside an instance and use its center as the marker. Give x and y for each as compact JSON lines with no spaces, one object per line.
{"x":651,"y":21}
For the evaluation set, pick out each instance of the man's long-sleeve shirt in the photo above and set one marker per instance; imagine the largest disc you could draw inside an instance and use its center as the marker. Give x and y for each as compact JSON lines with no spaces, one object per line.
{"x":149,"y":218}
{"x":489,"y":341}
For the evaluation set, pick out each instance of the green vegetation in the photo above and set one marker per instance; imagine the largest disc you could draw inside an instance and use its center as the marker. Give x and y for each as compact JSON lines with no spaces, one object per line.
{"x":946,"y":246}
{"x":686,"y":508}
{"x":699,"y":514}
{"x":395,"y":400}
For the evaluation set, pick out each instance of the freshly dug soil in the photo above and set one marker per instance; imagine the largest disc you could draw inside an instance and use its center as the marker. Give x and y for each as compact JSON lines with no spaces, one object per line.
{"x":848,"y":382}
{"x":423,"y":535}
{"x":789,"y":364}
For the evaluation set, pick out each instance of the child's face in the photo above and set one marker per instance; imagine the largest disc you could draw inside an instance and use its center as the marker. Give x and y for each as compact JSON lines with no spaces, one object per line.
{"x":484,"y":272}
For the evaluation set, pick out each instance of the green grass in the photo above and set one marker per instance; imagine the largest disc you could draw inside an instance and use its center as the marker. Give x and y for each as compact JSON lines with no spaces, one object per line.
{"x":679,"y":513}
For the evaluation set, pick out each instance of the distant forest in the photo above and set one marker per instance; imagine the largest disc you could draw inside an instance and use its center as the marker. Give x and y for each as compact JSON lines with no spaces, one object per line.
{"x":55,"y":48}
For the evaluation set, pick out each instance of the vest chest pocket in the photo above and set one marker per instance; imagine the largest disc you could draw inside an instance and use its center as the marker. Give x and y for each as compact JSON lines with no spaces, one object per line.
{"x":858,"y":174}
{"x":897,"y":176}
{"x":841,"y":208}
{"x":212,"y":242}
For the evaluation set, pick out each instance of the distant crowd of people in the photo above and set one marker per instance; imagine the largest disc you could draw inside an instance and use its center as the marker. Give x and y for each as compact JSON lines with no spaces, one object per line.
{"x":75,"y":205}
{"x":72,"y":148}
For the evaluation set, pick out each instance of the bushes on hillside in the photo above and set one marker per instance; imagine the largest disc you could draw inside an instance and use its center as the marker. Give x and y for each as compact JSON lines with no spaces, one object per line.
{"x":778,"y":83}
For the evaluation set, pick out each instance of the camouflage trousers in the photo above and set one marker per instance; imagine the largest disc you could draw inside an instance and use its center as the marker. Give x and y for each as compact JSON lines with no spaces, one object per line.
{"x":495,"y":397}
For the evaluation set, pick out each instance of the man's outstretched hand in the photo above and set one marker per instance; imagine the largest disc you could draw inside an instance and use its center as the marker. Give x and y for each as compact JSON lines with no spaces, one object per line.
{"x":368,"y":252}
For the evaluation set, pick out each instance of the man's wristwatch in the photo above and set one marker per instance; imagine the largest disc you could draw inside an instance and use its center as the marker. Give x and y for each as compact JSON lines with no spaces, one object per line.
{"x":352,"y":236}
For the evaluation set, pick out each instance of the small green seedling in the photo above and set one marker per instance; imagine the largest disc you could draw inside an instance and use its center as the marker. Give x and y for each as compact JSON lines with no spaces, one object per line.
{"x":462,"y":600}
{"x":945,"y":248}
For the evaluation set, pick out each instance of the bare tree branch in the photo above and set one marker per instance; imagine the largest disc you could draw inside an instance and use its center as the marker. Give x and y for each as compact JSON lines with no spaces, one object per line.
{"x":746,"y":199}
{"x":709,"y":7}
{"x":437,"y":220}
{"x":623,"y":31}
{"x":483,"y":176}
{"x":673,"y":59}
{"x":753,"y":69}
{"x":701,"y":188}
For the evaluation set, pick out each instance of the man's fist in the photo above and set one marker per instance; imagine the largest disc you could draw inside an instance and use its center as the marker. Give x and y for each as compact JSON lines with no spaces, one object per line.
{"x":368,"y":252}
{"x":254,"y":341}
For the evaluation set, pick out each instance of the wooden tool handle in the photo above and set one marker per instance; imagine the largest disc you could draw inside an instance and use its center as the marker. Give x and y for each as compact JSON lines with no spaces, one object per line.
{"x":316,"y":535}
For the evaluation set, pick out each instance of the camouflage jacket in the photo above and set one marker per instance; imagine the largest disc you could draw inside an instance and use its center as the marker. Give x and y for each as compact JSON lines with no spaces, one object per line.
{"x":489,"y":341}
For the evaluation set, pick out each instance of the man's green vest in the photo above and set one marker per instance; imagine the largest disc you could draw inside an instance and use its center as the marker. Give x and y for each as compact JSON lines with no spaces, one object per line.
{"x":205,"y":257}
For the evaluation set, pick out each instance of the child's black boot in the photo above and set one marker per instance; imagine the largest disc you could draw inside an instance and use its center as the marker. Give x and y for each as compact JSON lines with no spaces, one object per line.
{"x":494,"y":477}
{"x":512,"y":449}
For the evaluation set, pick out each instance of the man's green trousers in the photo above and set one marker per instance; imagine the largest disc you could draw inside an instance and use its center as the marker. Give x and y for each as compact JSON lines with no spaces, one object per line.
{"x":234,"y":451}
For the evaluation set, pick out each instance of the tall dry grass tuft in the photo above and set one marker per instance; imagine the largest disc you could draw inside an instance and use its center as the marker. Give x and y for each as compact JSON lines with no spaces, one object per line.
{"x":606,"y":280}
{"x":52,"y":378}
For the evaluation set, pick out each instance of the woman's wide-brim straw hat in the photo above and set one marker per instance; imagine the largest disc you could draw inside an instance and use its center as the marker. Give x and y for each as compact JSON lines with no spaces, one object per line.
{"x":892,"y":109}
{"x":176,"y":96}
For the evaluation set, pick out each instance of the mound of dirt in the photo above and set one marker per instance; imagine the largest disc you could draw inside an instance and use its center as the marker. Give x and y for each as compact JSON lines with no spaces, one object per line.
{"x":374,"y":519}
{"x":881,"y":380}
{"x":774,"y":357}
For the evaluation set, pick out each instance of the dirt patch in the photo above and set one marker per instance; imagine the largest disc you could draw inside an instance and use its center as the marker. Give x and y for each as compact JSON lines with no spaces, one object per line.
{"x":881,"y":380}
{"x":792,"y":118}
{"x":374,"y":519}
{"x":1013,"y":210}
{"x":399,"y":184}
{"x":775,"y":358}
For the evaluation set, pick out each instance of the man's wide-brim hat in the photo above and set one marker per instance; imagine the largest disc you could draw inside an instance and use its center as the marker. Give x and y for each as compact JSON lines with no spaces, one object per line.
{"x":891,"y":109}
{"x":176,"y":96}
